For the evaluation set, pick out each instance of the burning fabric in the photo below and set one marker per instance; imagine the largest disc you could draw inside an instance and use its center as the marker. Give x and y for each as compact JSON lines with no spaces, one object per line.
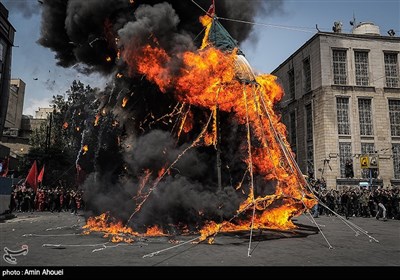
{"x":186,"y":137}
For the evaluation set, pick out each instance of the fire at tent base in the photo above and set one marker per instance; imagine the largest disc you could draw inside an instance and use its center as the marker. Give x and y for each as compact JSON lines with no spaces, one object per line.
{"x":223,"y":113}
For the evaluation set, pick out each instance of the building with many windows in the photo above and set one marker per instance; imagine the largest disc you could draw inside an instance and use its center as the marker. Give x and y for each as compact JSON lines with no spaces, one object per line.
{"x":14,"y":109}
{"x":342,"y":106}
{"x":7,"y":32}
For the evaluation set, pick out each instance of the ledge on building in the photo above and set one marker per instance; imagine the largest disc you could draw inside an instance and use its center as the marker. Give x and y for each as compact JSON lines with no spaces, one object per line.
{"x":356,"y":181}
{"x":395,"y":183}
{"x":391,"y":89}
{"x":354,"y":88}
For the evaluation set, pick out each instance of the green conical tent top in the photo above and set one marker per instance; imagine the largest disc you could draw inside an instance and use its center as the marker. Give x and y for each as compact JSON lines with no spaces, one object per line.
{"x":220,"y":38}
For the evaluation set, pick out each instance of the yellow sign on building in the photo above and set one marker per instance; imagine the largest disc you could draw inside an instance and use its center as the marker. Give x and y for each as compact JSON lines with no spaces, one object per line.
{"x":364,"y":161}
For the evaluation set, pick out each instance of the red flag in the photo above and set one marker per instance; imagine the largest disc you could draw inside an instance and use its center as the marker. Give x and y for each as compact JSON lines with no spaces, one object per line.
{"x":31,"y":179}
{"x":211,"y":10}
{"x":5,"y":164}
{"x":40,"y":176}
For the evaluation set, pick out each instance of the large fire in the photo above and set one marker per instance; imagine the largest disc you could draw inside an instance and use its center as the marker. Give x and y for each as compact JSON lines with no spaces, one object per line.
{"x":208,"y":80}
{"x":115,"y":230}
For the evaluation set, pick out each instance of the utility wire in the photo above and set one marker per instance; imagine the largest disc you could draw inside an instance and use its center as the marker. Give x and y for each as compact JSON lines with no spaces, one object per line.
{"x":200,"y":7}
{"x":268,"y":25}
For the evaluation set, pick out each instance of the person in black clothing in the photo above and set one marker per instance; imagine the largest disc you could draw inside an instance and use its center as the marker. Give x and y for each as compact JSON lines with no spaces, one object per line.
{"x":349,"y":172}
{"x":345,"y":200}
{"x":380,"y":199}
{"x":74,"y":209}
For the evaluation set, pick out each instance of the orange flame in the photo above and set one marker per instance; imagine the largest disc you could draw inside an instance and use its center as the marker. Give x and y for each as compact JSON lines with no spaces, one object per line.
{"x":186,"y":123}
{"x":209,"y":139}
{"x":211,"y":71}
{"x":206,"y":21}
{"x":155,"y":231}
{"x":85,"y":149}
{"x":125,"y":102}
{"x":96,"y":121}
{"x":116,"y":230}
{"x":209,"y":79}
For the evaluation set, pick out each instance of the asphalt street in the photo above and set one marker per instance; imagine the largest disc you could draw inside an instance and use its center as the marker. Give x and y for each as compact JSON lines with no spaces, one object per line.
{"x":55,"y":239}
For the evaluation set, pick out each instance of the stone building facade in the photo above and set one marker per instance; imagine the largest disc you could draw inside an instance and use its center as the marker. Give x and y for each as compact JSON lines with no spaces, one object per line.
{"x":15,"y":106}
{"x":7,"y":32}
{"x":342,"y":104}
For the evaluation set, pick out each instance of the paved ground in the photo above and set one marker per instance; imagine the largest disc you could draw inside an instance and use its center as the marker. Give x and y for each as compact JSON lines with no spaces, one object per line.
{"x":55,"y":240}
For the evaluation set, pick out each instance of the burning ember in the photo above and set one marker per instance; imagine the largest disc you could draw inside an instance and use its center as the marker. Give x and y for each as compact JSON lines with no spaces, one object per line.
{"x":124,"y":102}
{"x":85,"y":149}
{"x":96,"y":121}
{"x":65,"y":125}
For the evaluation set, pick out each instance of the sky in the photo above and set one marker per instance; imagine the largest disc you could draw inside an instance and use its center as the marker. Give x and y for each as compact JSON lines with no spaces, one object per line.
{"x":274,"y":40}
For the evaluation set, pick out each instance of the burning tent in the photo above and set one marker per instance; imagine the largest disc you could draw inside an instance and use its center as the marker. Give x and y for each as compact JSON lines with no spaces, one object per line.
{"x":187,"y":137}
{"x":220,"y":38}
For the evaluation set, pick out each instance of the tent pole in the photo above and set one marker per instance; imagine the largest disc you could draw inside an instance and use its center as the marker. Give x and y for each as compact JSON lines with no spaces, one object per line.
{"x":218,"y":146}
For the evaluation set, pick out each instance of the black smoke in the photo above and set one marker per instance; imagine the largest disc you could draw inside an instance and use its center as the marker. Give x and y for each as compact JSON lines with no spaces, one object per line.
{"x":83,"y":31}
{"x":134,"y":144}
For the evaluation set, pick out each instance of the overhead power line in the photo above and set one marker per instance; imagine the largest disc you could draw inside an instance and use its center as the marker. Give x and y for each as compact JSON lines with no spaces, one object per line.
{"x":301,"y":29}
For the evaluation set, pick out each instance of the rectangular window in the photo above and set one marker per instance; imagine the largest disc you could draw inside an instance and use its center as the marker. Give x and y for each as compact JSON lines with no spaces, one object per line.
{"x":343,"y":116}
{"x":396,"y":160}
{"x":345,"y":155}
{"x":307,"y":75}
{"x":365,"y":114}
{"x":391,"y":70}
{"x":293,"y":134}
{"x":1,"y":51}
{"x":361,"y":64}
{"x":394,"y":115}
{"x":4,"y":27}
{"x":292,"y":89}
{"x":309,"y":140}
{"x":367,"y":149}
{"x":339,"y":67}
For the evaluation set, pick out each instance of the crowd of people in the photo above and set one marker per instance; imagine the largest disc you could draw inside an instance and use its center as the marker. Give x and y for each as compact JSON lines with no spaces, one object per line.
{"x":358,"y":202}
{"x":25,"y":199}
{"x":348,"y":201}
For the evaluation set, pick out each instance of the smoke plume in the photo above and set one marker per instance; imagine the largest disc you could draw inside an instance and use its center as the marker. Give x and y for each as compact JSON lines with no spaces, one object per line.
{"x":136,"y":154}
{"x":83,"y":31}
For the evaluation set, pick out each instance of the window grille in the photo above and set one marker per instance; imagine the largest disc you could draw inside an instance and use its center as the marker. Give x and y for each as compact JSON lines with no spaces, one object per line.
{"x":361,"y":64}
{"x":365,"y":114}
{"x":394,"y":115}
{"x":391,"y":70}
{"x":343,"y":116}
{"x":339,"y":67}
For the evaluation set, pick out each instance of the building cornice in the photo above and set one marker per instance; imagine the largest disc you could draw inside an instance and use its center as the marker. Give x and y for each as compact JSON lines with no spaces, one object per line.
{"x":337,"y":35}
